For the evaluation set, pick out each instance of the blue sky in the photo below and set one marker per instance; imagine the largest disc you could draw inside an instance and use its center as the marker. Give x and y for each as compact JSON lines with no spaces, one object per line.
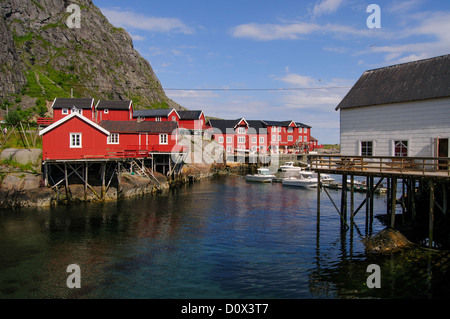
{"x":276,"y":60}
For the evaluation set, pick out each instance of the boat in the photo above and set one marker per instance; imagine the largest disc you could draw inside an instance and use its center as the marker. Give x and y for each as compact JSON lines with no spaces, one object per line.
{"x":263,"y":176}
{"x":306,"y":180}
{"x":289,"y":166}
{"x":325,"y":178}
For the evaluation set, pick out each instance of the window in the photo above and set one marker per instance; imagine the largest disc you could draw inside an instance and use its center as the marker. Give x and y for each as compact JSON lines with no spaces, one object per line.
{"x":241,"y":130}
{"x":113,"y":138}
{"x":274,"y":137}
{"x":65,"y":111}
{"x":163,"y":139}
{"x":158,"y":119}
{"x":400,"y":148}
{"x":290,"y":138}
{"x":366,"y":148}
{"x":290,"y":129}
{"x":305,"y":130}
{"x":220,"y":139}
{"x":279,"y":128}
{"x":279,"y":138}
{"x":254,"y":149}
{"x":241,"y":139}
{"x":174,"y":118}
{"x":254,"y":139}
{"x":106,"y":111}
{"x":229,"y":149}
{"x":305,"y":139}
{"x":75,"y":110}
{"x":75,"y":140}
{"x":261,"y":140}
{"x":274,"y":128}
{"x":229,"y":140}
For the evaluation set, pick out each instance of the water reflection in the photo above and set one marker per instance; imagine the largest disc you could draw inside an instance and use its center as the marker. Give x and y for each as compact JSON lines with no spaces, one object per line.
{"x":223,"y":238}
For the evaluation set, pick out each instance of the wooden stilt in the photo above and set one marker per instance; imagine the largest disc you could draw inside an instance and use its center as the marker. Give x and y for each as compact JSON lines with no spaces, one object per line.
{"x":393,"y":200}
{"x":102,"y":177}
{"x":344,"y":198}
{"x":367,"y":202}
{"x":431,"y":217}
{"x":85,"y":180}
{"x":67,"y":181}
{"x":352,"y":198}
{"x":372,"y":191}
{"x":318,"y":198}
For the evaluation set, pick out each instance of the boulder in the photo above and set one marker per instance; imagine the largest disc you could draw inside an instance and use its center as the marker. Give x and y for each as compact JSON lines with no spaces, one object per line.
{"x":386,"y":241}
{"x":22,"y":156}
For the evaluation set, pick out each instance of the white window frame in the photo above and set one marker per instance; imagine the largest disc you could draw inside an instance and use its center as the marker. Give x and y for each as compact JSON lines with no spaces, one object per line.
{"x":279,"y":138}
{"x":65,"y":110}
{"x":279,"y":128}
{"x":305,"y":130}
{"x":163,"y":139}
{"x":241,"y":139}
{"x":290,"y":129}
{"x":229,"y":139}
{"x":113,"y":138}
{"x":305,"y":139}
{"x":229,"y":149}
{"x":274,"y":138}
{"x":174,"y":118}
{"x":241,"y":130}
{"x":274,"y":128}
{"x":290,"y":138}
{"x":261,"y":140}
{"x":400,"y":140}
{"x":71,"y":140}
{"x":220,"y":139}
{"x":254,"y":139}
{"x":158,"y":119}
{"x":106,"y":111}
{"x":75,"y":110}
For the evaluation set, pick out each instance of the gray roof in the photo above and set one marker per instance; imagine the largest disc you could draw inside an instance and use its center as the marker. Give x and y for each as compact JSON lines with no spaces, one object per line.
{"x":223,"y":126}
{"x":413,"y":81}
{"x":136,"y":127}
{"x":152,"y":113}
{"x":113,"y":105}
{"x":79,"y":103}
{"x":277,"y":123}
{"x":189,"y":115}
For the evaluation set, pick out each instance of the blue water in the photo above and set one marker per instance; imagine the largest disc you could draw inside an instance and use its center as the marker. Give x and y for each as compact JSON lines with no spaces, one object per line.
{"x":218,"y":238}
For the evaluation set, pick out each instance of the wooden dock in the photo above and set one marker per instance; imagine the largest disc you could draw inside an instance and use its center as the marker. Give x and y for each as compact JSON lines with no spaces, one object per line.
{"x":429,"y":174}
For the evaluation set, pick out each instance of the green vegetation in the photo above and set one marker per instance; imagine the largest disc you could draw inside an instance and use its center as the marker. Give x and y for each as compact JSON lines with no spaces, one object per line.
{"x":22,"y":167}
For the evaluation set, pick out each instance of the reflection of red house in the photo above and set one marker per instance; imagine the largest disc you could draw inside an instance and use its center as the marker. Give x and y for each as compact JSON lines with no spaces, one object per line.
{"x":66,"y":106}
{"x":114,"y":110}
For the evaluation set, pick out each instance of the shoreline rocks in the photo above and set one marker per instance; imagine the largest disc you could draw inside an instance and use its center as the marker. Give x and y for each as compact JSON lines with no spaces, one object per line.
{"x":386,"y":241}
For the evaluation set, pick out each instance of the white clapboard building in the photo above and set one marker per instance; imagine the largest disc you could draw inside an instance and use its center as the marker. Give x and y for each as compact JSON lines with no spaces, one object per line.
{"x":399,"y":110}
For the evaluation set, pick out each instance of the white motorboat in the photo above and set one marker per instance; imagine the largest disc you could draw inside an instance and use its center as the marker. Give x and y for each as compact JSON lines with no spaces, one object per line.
{"x":289,"y":167}
{"x":325,"y":178}
{"x":306,"y":180}
{"x":263,"y":176}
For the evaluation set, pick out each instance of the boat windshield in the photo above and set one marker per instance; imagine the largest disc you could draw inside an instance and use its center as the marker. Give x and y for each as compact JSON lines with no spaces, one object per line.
{"x":264,"y":171}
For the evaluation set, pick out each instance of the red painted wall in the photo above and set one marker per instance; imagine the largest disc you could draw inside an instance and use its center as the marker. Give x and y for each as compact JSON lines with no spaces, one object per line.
{"x":57,"y":114}
{"x":114,"y":115}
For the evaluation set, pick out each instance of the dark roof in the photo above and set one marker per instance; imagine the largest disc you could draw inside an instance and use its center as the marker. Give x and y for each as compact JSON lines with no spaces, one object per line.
{"x":418,"y":80}
{"x":223,"y":126}
{"x":79,"y":103}
{"x":299,"y":124}
{"x":152,"y":113}
{"x":113,"y":105}
{"x":137,"y":127}
{"x":189,"y":115}
{"x":277,"y":123}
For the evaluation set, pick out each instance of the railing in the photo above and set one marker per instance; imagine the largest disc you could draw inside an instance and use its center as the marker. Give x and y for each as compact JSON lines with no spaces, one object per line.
{"x":44,"y":120}
{"x":129,"y":152}
{"x":432,"y":166}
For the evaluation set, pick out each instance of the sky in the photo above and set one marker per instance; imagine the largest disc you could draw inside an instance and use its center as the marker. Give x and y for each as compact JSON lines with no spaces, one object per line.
{"x":277,"y":60}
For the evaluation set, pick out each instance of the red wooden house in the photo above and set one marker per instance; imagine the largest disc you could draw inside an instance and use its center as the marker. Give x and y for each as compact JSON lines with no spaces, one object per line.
{"x":158,"y":115}
{"x":194,"y":121}
{"x":65,"y":106}
{"x":73,"y":137}
{"x":114,"y":110}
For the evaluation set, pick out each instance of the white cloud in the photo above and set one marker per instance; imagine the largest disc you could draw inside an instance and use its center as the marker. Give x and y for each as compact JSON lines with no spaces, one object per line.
{"x":129,"y":19}
{"x":137,"y":37}
{"x":326,"y":7}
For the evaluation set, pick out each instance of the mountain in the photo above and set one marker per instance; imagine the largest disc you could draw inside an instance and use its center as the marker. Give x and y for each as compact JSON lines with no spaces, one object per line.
{"x":43,"y":56}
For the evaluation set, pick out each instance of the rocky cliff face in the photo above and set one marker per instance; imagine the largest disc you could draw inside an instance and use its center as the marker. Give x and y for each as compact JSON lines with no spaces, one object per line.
{"x":40,"y":56}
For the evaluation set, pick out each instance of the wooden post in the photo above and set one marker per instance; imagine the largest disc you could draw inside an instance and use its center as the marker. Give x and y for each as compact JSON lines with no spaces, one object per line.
{"x":352,"y":198}
{"x":344,"y":198}
{"x":67,"y":181}
{"x":318,"y":199}
{"x":393,"y":200}
{"x":102,"y":177}
{"x":118,"y":179}
{"x":44,"y":166}
{"x":85,"y":180}
{"x":431,"y":218}
{"x":372,"y":190}
{"x":367,"y":202}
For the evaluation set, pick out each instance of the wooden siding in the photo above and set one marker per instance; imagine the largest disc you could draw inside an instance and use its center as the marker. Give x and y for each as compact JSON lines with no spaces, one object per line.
{"x":418,"y":122}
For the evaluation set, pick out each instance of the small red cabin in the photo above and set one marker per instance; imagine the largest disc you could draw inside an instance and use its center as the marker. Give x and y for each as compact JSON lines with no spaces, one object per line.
{"x":193,"y":121}
{"x":114,"y":111}
{"x":66,"y":106}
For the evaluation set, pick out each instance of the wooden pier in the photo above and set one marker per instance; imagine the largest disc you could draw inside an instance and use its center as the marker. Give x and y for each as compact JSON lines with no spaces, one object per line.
{"x":427,"y":174}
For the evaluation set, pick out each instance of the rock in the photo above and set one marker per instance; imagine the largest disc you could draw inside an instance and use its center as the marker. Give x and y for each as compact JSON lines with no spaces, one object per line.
{"x":386,"y":241}
{"x":22,"y":156}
